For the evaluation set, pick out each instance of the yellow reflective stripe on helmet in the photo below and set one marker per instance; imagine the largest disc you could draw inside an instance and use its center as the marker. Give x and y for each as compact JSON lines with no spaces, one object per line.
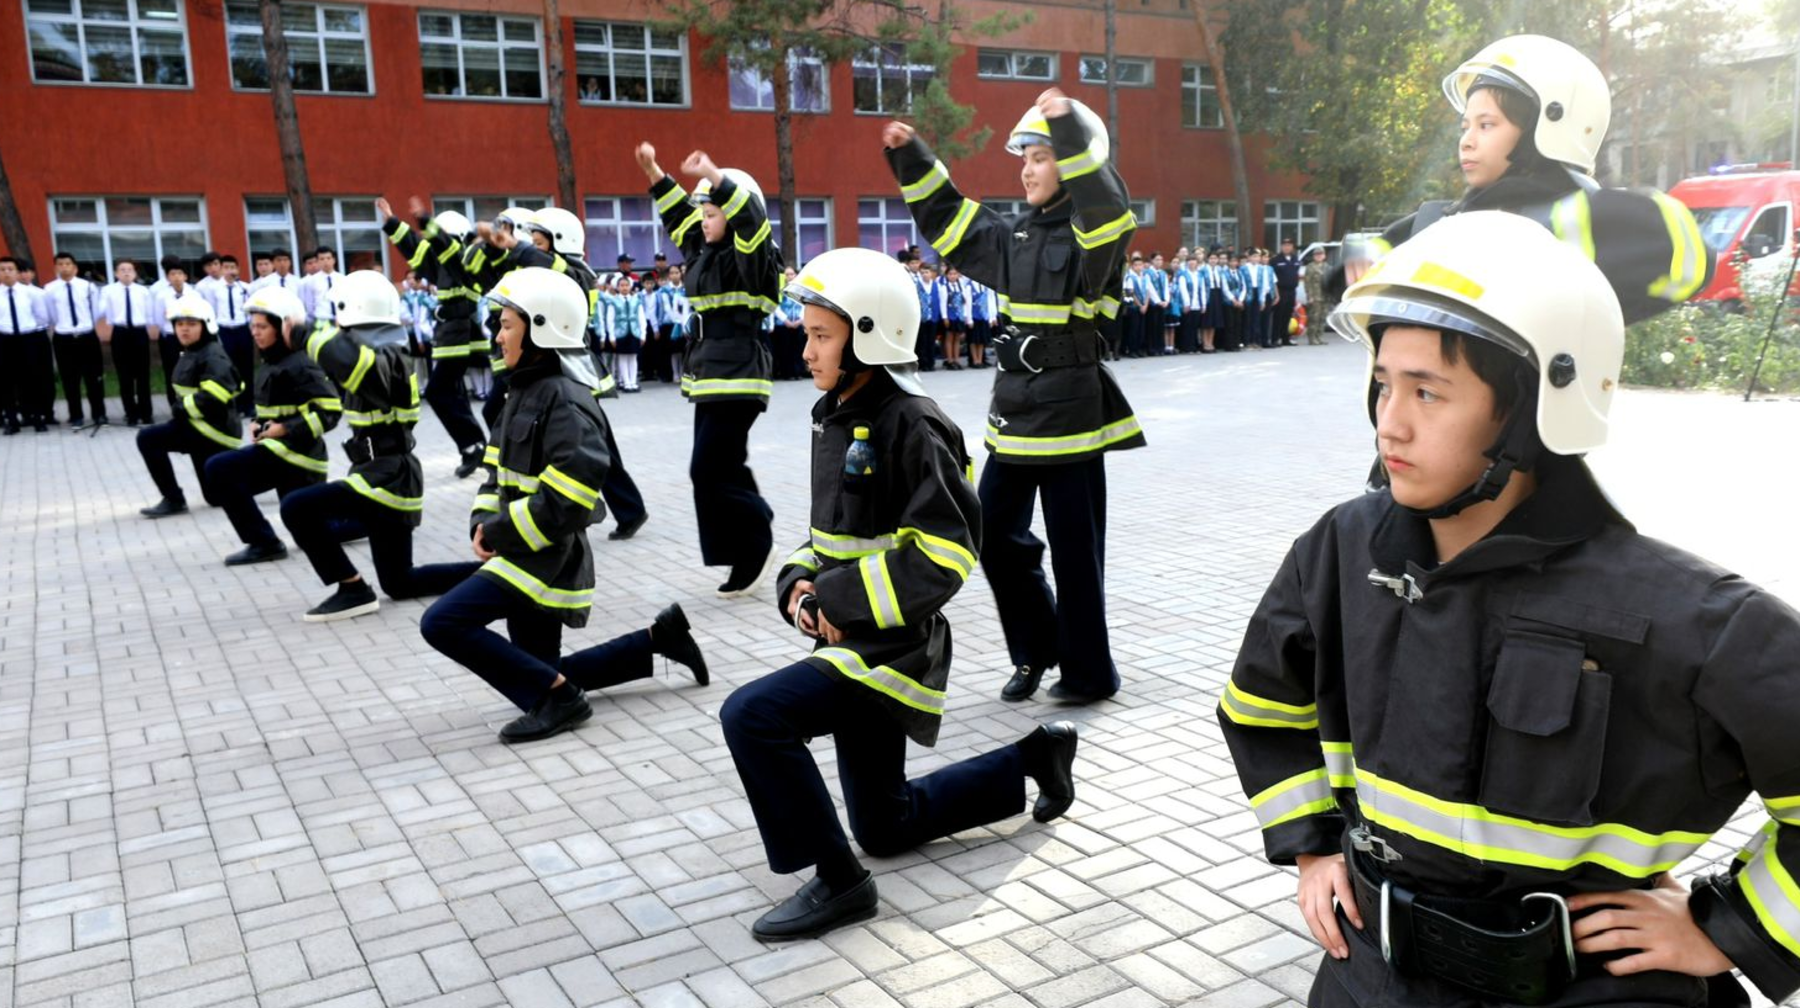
{"x":486,"y":502}
{"x":1444,"y":278}
{"x":1108,"y":232}
{"x":728,"y":386}
{"x":739,"y":197}
{"x":292,"y":457}
{"x":846,"y":547}
{"x":1246,"y":708}
{"x":570,"y":487}
{"x":1299,"y":796}
{"x":1078,"y":165}
{"x":387,"y":498}
{"x":947,"y":242}
{"x":1572,"y":220}
{"x":216,"y":390}
{"x":321,"y":336}
{"x":1784,"y":810}
{"x":538,"y":591}
{"x":365,"y":359}
{"x":878,"y":585}
{"x":686,"y":224}
{"x":520,"y":513}
{"x":804,"y":558}
{"x":675,"y":195}
{"x":946,"y":553}
{"x":884,"y":679}
{"x":1066,"y":444}
{"x":1769,"y":887}
{"x":1688,"y":252}
{"x":754,"y":242}
{"x":930,"y":182}
{"x":731,"y":299}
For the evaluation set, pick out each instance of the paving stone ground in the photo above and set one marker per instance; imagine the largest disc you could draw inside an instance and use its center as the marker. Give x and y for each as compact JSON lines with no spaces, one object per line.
{"x":205,"y":801}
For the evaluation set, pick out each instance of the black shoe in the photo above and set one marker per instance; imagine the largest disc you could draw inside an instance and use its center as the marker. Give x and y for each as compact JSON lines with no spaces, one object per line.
{"x":814,"y":910}
{"x":1063,"y":693}
{"x":1023,"y":684}
{"x":670,"y":638}
{"x":471,"y":461}
{"x":40,"y":427}
{"x":11,"y":429}
{"x":258,"y":553}
{"x":163,"y":508}
{"x":745,"y":580}
{"x":353,"y":598}
{"x":1054,"y":770}
{"x":553,"y":716}
{"x":628,"y":529}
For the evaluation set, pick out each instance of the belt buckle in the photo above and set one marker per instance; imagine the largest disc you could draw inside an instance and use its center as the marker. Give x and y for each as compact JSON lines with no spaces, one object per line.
{"x":1021,"y":353}
{"x":1387,"y":917}
{"x":1368,"y":843}
{"x":1562,"y":914}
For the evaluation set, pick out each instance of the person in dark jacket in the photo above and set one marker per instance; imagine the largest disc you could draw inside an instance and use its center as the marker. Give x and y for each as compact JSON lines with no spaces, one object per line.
{"x":1485,"y":716}
{"x":895,"y":533}
{"x":733,"y":278}
{"x":203,"y":383}
{"x":363,"y":352}
{"x":295,"y":405}
{"x":1055,"y":410}
{"x":529,"y":526}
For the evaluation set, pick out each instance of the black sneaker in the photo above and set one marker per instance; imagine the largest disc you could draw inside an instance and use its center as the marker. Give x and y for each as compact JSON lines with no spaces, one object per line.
{"x":1054,"y":770}
{"x":352,"y":598}
{"x":164,"y":508}
{"x":745,"y":580}
{"x":552,"y":716}
{"x":1023,"y":684}
{"x":670,"y":638}
{"x":471,"y":461}
{"x":815,"y":910}
{"x":628,"y":529}
{"x":1063,"y":693}
{"x":258,"y":553}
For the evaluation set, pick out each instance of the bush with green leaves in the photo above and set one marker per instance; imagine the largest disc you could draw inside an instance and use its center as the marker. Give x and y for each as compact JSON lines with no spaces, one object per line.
{"x":1710,"y":346}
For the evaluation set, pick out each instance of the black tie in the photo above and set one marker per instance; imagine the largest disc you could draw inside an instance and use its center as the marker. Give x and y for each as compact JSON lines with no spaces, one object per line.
{"x":12,"y":302}
{"x":130,"y":321}
{"x":230,"y":303}
{"x":74,"y":317}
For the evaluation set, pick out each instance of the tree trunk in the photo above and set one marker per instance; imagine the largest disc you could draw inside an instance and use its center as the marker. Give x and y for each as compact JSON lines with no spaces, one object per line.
{"x":784,"y":154}
{"x":1234,"y":141}
{"x":287,"y":129}
{"x":12,"y":226}
{"x":559,"y":120}
{"x":1112,"y":79}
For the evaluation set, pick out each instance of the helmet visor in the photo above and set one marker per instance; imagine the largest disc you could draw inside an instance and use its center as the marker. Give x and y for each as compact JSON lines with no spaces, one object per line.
{"x":1359,"y":319}
{"x":807,"y":295}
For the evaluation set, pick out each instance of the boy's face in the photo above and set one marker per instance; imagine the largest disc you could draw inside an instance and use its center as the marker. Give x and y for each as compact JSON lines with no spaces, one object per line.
{"x":1433,"y":420}
{"x":1137,"y":265}
{"x":1318,"y":255}
{"x":229,"y":270}
{"x":177,"y":277}
{"x":9,"y":273}
{"x":928,"y":273}
{"x":513,"y":328}
{"x":310,"y":265}
{"x":712,"y":223}
{"x":264,"y":330}
{"x":1039,"y":175}
{"x":912,"y":265}
{"x":125,"y":273}
{"x":328,"y":262}
{"x":952,"y":274}
{"x":541,"y":240}
{"x":284,"y":265}
{"x":65,"y":269}
{"x":213,"y":268}
{"x":827,"y":333}
{"x":188,"y":331}
{"x":1157,"y":261}
{"x":264,"y":267}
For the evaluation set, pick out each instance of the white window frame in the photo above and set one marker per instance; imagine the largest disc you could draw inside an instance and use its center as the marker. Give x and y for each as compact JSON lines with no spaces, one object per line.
{"x":889,"y":222}
{"x":1306,"y":226}
{"x":1191,"y":221}
{"x":803,"y":221}
{"x":648,"y":51}
{"x":499,"y":47}
{"x":466,"y":205}
{"x":1148,"y":64}
{"x":872,"y":58}
{"x":331,"y":231}
{"x":603,"y":256}
{"x":157,"y":228}
{"x":317,"y":36}
{"x":134,"y":22}
{"x":1013,"y":59}
{"x":797,"y":58}
{"x":1145,"y":212}
{"x":1191,"y":80}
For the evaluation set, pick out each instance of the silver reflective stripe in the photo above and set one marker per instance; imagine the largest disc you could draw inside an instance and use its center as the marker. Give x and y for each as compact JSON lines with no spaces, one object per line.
{"x":1069,"y":444}
{"x":843,"y":547}
{"x":1770,"y":889}
{"x":1339,"y":764}
{"x":511,"y":478}
{"x":1249,"y":709}
{"x":1299,"y":796}
{"x":883,"y":602}
{"x":884,"y":679}
{"x":803,"y":557}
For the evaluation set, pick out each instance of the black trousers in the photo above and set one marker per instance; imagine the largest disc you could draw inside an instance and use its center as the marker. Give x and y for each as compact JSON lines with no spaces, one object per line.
{"x":236,"y":477}
{"x":322,"y":518}
{"x":1132,"y":343}
{"x":27,"y":384}
{"x":1232,"y":337}
{"x":1281,"y":314}
{"x":155,"y":443}
{"x":655,"y":361}
{"x":733,"y":517}
{"x":168,"y":351}
{"x":240,"y":346}
{"x":620,"y":491}
{"x":767,"y":723}
{"x":1074,"y":498}
{"x":1187,"y":337}
{"x":925,"y":345}
{"x":444,"y":387}
{"x":1256,"y":324}
{"x":78,"y":358}
{"x":1153,"y":329}
{"x":131,"y":360}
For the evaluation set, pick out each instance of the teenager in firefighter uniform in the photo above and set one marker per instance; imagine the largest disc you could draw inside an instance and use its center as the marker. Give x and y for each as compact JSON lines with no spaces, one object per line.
{"x":733,"y":281}
{"x":504,"y":246}
{"x":203,"y":384}
{"x":1056,"y":410}
{"x":891,"y":543}
{"x":1510,"y":712}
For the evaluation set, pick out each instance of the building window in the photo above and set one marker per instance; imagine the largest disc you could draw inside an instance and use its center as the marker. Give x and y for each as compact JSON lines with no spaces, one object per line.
{"x":141,"y":42}
{"x":626,"y":225}
{"x":1015,"y":64}
{"x":345,"y":223}
{"x":881,"y":81}
{"x":751,"y":91}
{"x":1130,"y":71}
{"x":1296,"y":219}
{"x":884,"y":224}
{"x":485,"y":208}
{"x":328,"y":47}
{"x":1145,"y":212}
{"x":100,"y":230}
{"x":1200,"y":98}
{"x":625,"y":63}
{"x":812,"y":227}
{"x":481,"y":56}
{"x":1209,"y":223}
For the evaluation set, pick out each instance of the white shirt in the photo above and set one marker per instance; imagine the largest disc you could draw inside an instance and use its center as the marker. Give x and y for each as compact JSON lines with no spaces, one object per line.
{"x":23,"y":309}
{"x":72,"y":305}
{"x":289,"y":281}
{"x":228,"y":299}
{"x":112,"y":306}
{"x":166,"y":298}
{"x":315,"y":294}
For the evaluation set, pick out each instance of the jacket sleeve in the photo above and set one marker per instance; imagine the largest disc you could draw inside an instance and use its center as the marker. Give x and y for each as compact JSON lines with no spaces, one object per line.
{"x":681,"y":220}
{"x":934,"y":547}
{"x":208,"y":407}
{"x":748,"y":221}
{"x":319,"y":409}
{"x":1269,"y":716}
{"x":410,"y":241}
{"x":1102,"y":207}
{"x":568,"y":493}
{"x":965,"y":233}
{"x":349,"y":363}
{"x":801,"y":565}
{"x":487,"y":499}
{"x":1750,"y":686}
{"x":1647,"y":243}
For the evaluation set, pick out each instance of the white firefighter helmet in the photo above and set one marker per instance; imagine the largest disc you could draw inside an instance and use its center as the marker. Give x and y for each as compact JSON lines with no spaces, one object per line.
{"x":192,"y":306}
{"x":453,"y":223}
{"x":1034,"y":129}
{"x":875,"y":294}
{"x":1506,"y":279}
{"x":278,"y":303}
{"x":568,"y":236}
{"x":516,"y":217}
{"x":365,"y":297}
{"x":552,"y":302}
{"x":739,"y":177}
{"x":1573,"y":100}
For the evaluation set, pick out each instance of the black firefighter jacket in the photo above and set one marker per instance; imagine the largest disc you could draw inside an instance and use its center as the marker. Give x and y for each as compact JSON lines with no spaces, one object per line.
{"x":380,"y":396}
{"x":293,"y":391}
{"x":1566,"y":706}
{"x":205,"y":384}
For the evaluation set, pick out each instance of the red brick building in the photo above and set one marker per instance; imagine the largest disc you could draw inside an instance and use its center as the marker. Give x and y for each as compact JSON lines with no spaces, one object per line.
{"x":143,"y":127}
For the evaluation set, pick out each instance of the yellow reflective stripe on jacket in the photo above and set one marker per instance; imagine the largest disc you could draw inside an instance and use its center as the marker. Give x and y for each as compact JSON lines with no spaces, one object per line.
{"x":1077,"y":165}
{"x":1340,"y":765}
{"x":365,"y":359}
{"x":491,"y":455}
{"x":1108,"y":232}
{"x":803,"y":557}
{"x":1299,"y":796}
{"x":1109,"y":306}
{"x":1571,"y":218}
{"x":321,"y":336}
{"x":486,"y":502}
{"x":445,"y":256}
{"x":946,"y":553}
{"x":930,"y":182}
{"x":420,"y":251}
{"x":728,"y":386}
{"x":387,"y":498}
{"x":947,"y":242}
{"x":292,"y":457}
{"x":884,"y":679}
{"x":675,"y":195}
{"x":1246,"y":708}
{"x":313,"y":423}
{"x":211,"y":433}
{"x":686,"y":224}
{"x":442,"y":352}
{"x":401,"y":415}
{"x":1066,"y":444}
{"x":731,"y":299}
{"x":217,"y":391}
{"x":518,"y":480}
{"x":754,"y":242}
{"x":739,"y":197}
{"x":878,"y":585}
{"x":570,"y":487}
{"x":847,"y":547}
{"x":1687,"y":259}
{"x":538,"y":591}
{"x":1770,"y":890}
{"x":520,"y":513}
{"x":1784,"y":810}
{"x":607,"y":384}
{"x":1044,"y":314}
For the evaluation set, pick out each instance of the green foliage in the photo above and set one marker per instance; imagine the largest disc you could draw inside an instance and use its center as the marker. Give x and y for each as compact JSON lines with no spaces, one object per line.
{"x":1703,"y":346}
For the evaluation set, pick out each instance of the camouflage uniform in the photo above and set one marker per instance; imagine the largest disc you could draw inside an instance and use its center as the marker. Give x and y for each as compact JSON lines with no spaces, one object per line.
{"x":1316,"y":307}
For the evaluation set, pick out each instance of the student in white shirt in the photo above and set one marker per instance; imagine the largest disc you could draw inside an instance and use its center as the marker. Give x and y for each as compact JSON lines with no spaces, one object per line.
{"x":26,"y":393}
{"x":315,"y":289}
{"x":228,"y":295}
{"x":174,"y":284}
{"x":280,"y":274}
{"x":72,"y":302}
{"x":127,"y":311}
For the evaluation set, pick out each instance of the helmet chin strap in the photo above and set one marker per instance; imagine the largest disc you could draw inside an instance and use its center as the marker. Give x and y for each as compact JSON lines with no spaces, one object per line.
{"x":849,"y":367}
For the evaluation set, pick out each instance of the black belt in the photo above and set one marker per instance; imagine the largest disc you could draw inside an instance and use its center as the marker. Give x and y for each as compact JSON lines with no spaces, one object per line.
{"x":1520,"y":952}
{"x":366,"y":449}
{"x":1018,"y":350}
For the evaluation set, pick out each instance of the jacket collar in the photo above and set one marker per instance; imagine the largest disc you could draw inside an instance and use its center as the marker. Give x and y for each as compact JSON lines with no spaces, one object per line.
{"x":867,"y":402}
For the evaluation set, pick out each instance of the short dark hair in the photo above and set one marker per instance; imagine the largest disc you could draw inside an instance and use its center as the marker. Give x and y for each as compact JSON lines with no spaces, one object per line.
{"x":209,"y":258}
{"x":170,"y":262}
{"x":26,"y":266}
{"x":261,"y":257}
{"x":310,"y":256}
{"x":60,"y":256}
{"x":1287,"y":241}
{"x":228,"y":258}
{"x":1498,"y":368}
{"x":8,"y":259}
{"x":281,"y":254}
{"x":325,"y":250}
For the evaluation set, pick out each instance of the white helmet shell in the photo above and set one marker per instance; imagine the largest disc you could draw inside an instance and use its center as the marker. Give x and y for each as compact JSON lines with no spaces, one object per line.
{"x":1574,"y":102}
{"x":515,"y":217}
{"x":453,"y":223}
{"x":739,"y":177}
{"x":278,"y":303}
{"x":1034,"y":129}
{"x":1506,"y":279}
{"x":365,"y":297}
{"x":876,"y":295}
{"x":568,"y":235}
{"x":192,"y":306}
{"x":552,"y":302}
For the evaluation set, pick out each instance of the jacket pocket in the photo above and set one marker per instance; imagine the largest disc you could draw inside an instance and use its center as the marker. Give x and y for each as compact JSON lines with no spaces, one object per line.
{"x":1547,"y":718}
